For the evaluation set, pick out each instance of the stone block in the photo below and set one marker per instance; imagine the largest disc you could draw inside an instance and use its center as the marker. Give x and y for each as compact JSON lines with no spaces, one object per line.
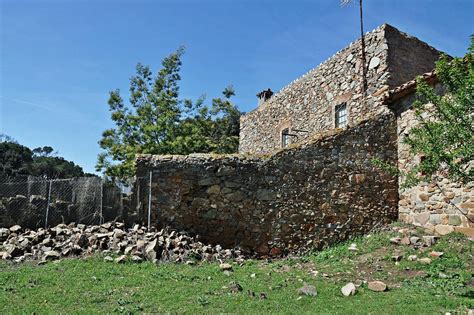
{"x":422,"y":218}
{"x":209,"y":181}
{"x":424,"y":197}
{"x":468,"y":231}
{"x":435,"y":219}
{"x":266,"y":195}
{"x":443,"y":229}
{"x":467,"y":205}
{"x":454,"y":219}
{"x":374,"y":63}
{"x":236,"y":196}
{"x":214,"y":189}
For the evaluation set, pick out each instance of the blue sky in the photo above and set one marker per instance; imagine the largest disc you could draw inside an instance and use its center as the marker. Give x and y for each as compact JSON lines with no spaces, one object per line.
{"x":60,"y":58}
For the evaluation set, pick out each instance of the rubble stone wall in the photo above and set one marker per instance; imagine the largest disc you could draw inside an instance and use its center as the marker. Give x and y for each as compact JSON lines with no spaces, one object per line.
{"x":308,"y":103}
{"x":439,"y":205}
{"x":318,"y":193}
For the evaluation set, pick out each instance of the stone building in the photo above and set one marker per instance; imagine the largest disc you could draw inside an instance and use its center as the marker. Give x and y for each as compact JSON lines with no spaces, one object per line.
{"x":329,"y":96}
{"x":304,"y":175}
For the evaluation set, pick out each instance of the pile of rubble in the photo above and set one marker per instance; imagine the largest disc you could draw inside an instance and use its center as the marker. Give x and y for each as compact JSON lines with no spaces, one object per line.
{"x":112,"y":239}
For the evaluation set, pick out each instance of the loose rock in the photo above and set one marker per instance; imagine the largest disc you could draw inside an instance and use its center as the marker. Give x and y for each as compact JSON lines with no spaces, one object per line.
{"x":225,"y":266}
{"x":152,"y":245}
{"x":51,"y":255}
{"x":353,"y":247}
{"x":15,"y":229}
{"x":424,"y":261}
{"x":436,"y":254}
{"x":377,"y":286}
{"x":412,"y":257}
{"x":307,"y":289}
{"x":349,"y":289}
{"x":235,"y":287}
{"x":121,"y":259}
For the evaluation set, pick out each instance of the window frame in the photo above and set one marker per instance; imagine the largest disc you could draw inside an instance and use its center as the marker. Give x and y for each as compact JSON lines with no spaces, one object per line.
{"x":342,"y":107}
{"x":284,"y":137}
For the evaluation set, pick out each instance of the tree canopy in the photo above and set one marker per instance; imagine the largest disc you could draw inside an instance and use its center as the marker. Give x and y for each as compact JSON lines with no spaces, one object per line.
{"x":444,"y":134}
{"x":17,"y":159}
{"x":157,"y":121}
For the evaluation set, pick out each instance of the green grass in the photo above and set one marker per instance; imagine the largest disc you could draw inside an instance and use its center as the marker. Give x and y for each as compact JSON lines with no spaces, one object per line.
{"x":94,"y":286}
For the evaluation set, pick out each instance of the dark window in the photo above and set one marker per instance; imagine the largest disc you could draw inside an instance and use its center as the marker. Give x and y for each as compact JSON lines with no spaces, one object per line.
{"x":341,"y":115}
{"x":285,"y":138}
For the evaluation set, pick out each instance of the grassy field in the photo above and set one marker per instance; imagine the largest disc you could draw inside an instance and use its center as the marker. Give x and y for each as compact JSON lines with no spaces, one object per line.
{"x":94,"y":286}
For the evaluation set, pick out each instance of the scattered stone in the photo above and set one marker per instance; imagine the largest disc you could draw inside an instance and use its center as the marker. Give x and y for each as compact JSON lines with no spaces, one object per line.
{"x":263,"y":296}
{"x":414,"y":240}
{"x":424,"y":261}
{"x":429,"y":240}
{"x":353,"y":247}
{"x":314,"y":273}
{"x":121,"y":259}
{"x":108,"y":259}
{"x":51,"y":255}
{"x":235,"y":287}
{"x":15,"y":229}
{"x":397,"y":257}
{"x":377,"y":286}
{"x":308,"y":290}
{"x":225,"y":266}
{"x":151,"y":245}
{"x":228,"y":273}
{"x":4,"y":233}
{"x":349,"y":289}
{"x":395,"y":240}
{"x":13,"y":250}
{"x":436,"y":254}
{"x":119,"y":234}
{"x":405,"y":241}
{"x":412,"y":258}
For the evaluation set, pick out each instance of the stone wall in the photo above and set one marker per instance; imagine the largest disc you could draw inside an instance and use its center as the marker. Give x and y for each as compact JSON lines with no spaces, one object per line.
{"x":308,"y":103}
{"x":439,"y":205}
{"x":318,"y":193}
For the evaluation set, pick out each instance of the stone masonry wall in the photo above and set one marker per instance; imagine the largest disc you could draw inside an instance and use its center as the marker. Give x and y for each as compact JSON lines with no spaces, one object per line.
{"x":318,"y":193}
{"x":308,"y":103}
{"x":439,"y":205}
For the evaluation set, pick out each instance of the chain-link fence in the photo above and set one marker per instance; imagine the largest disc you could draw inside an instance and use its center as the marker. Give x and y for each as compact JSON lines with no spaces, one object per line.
{"x":36,"y":202}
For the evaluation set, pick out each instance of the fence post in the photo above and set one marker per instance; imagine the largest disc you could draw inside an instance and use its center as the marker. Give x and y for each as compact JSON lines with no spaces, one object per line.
{"x":101,"y":220}
{"x":47,"y":205}
{"x":149,"y":202}
{"x":29,"y":186}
